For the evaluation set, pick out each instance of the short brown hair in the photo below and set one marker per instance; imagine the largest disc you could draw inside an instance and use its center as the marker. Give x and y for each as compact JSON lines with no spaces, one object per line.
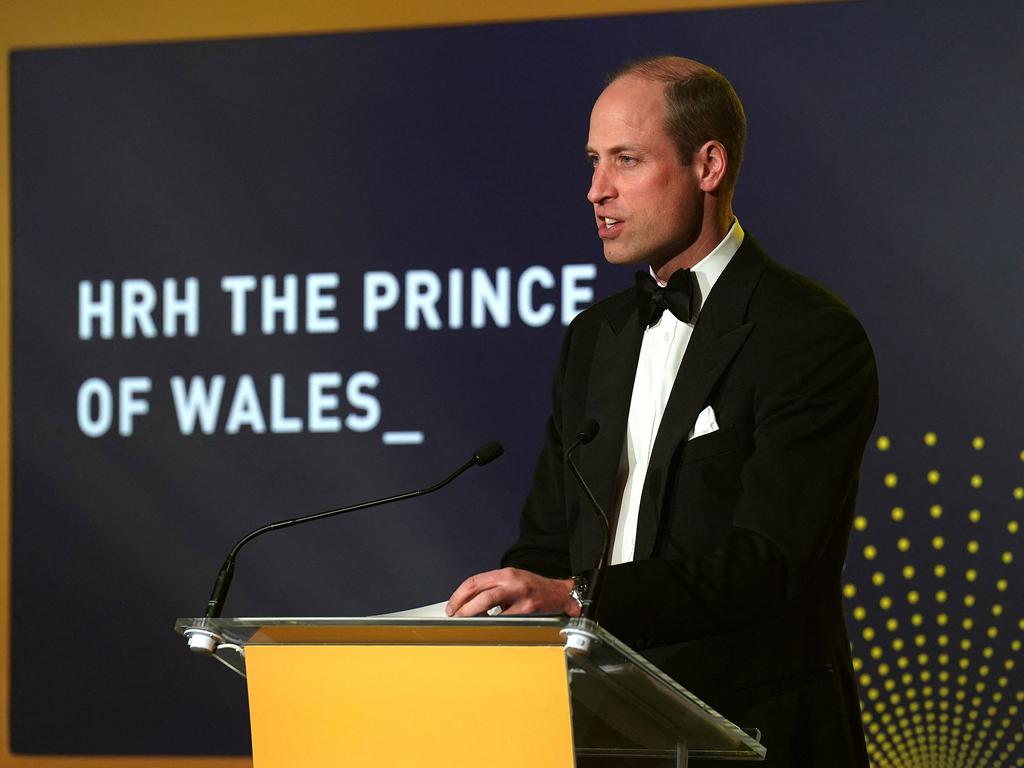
{"x":700,"y":105}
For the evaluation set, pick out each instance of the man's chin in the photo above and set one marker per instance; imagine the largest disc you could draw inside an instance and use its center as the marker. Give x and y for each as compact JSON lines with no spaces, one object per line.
{"x":621,"y":257}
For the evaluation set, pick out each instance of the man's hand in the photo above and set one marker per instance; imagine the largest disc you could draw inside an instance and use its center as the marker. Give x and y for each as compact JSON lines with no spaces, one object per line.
{"x":516,"y":591}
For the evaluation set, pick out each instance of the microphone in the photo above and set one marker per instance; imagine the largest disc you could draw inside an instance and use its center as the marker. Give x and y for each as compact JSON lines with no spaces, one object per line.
{"x":483,"y":455}
{"x":586,"y":432}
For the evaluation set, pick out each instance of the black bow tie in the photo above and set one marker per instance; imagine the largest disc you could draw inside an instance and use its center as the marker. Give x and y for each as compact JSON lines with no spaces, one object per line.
{"x":676,"y":297}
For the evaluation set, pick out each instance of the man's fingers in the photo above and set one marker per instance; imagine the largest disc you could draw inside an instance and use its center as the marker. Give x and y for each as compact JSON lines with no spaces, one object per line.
{"x":481,"y":603}
{"x":515,"y":590}
{"x":469,"y":589}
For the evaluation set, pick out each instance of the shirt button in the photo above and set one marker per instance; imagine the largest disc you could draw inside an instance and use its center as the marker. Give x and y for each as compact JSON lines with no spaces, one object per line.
{"x":667,"y":337}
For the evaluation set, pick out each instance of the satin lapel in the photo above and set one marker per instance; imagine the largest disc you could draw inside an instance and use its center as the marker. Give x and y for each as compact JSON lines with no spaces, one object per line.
{"x":718,"y":335}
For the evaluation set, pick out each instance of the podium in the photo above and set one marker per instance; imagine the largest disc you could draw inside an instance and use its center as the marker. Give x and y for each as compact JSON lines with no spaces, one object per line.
{"x":508,"y":692}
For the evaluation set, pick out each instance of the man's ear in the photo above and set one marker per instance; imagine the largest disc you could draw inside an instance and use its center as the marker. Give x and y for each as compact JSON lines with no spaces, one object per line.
{"x":712,"y":162}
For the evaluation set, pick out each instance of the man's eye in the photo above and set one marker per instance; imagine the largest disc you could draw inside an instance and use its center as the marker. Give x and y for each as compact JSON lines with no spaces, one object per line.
{"x":592,"y":161}
{"x":627,"y":160}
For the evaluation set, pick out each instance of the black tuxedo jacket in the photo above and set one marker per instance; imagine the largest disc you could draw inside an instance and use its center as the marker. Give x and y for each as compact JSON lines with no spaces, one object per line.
{"x":735,"y":585}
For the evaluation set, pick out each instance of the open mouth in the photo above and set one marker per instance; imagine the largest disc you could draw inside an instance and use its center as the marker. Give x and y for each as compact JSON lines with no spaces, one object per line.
{"x":609,"y":226}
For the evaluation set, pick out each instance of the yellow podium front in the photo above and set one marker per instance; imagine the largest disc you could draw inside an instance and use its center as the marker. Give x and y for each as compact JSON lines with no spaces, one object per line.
{"x":375,"y":704}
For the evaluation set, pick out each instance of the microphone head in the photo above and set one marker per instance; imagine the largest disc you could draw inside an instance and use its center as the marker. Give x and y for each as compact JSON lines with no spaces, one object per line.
{"x":485,"y":454}
{"x":587,"y":431}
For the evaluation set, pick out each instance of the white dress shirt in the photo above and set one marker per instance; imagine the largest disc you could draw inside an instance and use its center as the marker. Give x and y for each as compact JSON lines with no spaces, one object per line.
{"x":661,"y":352}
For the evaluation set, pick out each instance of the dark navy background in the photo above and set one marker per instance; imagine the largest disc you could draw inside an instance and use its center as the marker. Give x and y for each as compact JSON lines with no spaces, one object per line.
{"x":883,"y":161}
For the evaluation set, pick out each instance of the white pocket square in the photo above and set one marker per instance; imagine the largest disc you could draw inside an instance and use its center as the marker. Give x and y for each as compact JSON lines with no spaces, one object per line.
{"x":705,"y":424}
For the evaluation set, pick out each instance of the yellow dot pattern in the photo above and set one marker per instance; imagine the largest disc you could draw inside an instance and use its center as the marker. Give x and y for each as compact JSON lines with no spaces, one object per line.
{"x":937,"y":630}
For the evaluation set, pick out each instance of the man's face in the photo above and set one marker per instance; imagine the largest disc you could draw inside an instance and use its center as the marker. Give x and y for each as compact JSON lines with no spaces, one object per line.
{"x":647,"y":204}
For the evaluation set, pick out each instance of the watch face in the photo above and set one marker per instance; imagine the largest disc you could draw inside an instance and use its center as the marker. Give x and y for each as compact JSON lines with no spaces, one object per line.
{"x":579,"y":588}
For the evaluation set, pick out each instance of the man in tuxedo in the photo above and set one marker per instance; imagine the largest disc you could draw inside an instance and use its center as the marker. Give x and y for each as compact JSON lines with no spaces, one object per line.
{"x":734,"y":399}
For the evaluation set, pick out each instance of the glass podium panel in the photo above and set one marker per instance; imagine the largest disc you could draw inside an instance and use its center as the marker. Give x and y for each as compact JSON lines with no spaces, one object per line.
{"x":234,"y":634}
{"x":622,"y":705}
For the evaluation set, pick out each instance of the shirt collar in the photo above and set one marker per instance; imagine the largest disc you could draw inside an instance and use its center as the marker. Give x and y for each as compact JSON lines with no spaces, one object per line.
{"x":707,"y":271}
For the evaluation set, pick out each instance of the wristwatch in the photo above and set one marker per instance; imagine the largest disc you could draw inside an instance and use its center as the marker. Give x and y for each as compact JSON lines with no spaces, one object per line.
{"x":580,"y":586}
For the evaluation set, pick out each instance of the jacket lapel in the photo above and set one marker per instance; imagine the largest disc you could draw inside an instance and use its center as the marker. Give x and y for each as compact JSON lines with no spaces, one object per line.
{"x":718,"y":335}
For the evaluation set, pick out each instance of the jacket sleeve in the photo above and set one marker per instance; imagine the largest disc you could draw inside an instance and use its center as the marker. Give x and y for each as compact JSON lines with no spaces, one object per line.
{"x":543,"y":542}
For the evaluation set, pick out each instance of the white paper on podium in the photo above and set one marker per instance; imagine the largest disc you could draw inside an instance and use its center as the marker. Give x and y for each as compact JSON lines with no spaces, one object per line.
{"x":432,"y":611}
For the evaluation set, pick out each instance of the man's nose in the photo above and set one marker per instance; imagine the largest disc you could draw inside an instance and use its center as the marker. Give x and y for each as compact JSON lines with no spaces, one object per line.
{"x":601,"y":187}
